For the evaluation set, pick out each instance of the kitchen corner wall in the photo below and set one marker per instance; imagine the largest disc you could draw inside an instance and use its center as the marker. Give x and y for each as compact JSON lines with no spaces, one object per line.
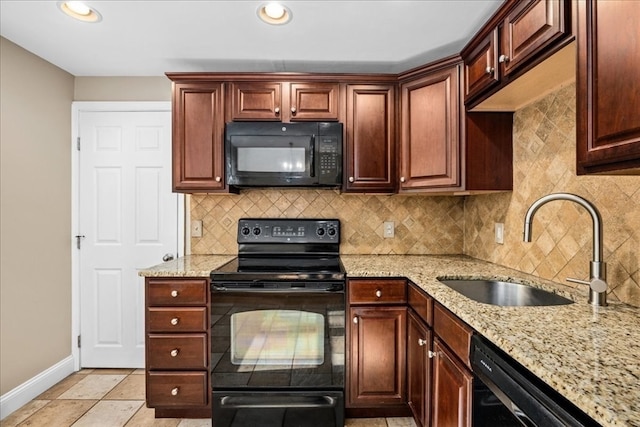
{"x":544,"y":162}
{"x":423,"y":225}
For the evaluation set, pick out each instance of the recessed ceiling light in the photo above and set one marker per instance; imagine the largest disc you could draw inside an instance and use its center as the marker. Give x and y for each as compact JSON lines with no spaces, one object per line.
{"x":80,"y":11}
{"x":274,"y":13}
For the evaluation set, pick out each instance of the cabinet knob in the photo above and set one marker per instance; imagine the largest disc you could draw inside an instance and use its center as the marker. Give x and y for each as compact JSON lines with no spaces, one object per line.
{"x":174,"y":352}
{"x":174,"y":391}
{"x":489,"y":70}
{"x":355,"y":319}
{"x":503,"y":59}
{"x":293,"y":110}
{"x":218,"y":179}
{"x":431,"y":354}
{"x":351,"y":179}
{"x":378,"y":293}
{"x":402,"y":179}
{"x":175,"y":321}
{"x":422,"y":342}
{"x":174,"y":293}
{"x":276,"y":110}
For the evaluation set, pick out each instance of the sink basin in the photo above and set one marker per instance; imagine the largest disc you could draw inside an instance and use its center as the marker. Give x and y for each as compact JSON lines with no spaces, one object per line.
{"x":505,"y":293}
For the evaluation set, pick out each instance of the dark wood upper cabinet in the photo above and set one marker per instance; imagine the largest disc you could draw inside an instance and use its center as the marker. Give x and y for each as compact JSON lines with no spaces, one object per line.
{"x":198,"y":132}
{"x":529,"y":28}
{"x":608,"y":87}
{"x":370,"y":139}
{"x":284,"y":101}
{"x":518,"y":37}
{"x":430,"y":135}
{"x":481,"y":65}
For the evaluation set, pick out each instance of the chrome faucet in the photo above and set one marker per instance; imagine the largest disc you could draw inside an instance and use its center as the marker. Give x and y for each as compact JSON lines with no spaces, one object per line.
{"x":597,"y":268}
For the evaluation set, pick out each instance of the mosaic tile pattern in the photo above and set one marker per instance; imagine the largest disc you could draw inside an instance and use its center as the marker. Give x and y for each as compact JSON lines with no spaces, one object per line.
{"x":544,"y":162}
{"x":423,"y":225}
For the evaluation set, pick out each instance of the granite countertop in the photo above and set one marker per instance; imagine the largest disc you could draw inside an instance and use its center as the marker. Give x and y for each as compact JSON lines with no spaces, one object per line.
{"x":591,"y":355}
{"x":187,"y":266}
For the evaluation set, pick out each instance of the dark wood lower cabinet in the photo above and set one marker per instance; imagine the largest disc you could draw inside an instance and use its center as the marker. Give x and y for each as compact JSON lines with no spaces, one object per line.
{"x":377,"y":357}
{"x":419,"y":341}
{"x":452,"y":389}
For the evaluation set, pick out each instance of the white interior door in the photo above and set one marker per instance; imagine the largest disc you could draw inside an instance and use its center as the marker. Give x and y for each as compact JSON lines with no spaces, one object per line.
{"x":128,"y":218}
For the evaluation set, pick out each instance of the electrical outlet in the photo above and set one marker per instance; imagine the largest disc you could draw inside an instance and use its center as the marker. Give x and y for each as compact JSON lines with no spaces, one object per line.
{"x":389,"y":229}
{"x":196,"y":228}
{"x":499,"y":231}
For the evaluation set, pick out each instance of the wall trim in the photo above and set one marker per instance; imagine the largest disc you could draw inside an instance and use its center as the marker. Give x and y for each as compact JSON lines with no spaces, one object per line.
{"x":32,"y":388}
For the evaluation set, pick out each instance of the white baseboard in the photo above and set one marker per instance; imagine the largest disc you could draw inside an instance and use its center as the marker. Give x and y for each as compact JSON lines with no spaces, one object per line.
{"x":27,"y":391}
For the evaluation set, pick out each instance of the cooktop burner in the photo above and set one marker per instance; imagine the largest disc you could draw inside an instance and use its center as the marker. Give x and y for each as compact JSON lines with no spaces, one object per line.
{"x":285,"y":249}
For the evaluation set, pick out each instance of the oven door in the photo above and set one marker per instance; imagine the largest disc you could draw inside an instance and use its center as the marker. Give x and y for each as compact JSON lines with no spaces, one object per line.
{"x":277,"y":355}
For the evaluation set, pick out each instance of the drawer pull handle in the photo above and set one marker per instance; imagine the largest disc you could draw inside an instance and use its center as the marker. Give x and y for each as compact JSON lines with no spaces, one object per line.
{"x":422,"y":342}
{"x":175,"y":321}
{"x":378,"y":293}
{"x":174,"y":352}
{"x":174,"y":391}
{"x":174,"y":293}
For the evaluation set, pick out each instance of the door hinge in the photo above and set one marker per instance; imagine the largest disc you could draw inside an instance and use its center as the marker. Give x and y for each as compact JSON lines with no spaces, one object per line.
{"x":79,"y":341}
{"x":78,"y":143}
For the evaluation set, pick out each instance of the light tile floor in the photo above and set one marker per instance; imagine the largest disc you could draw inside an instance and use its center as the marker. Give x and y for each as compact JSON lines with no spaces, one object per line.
{"x":115,"y":398}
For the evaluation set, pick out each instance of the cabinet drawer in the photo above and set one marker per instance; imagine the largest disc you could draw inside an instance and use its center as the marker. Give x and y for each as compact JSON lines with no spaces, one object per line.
{"x":174,"y":292}
{"x":378,"y":291}
{"x":173,"y":351}
{"x":453,"y":332}
{"x":421,"y":303}
{"x":188,"y":319}
{"x":177,"y":389}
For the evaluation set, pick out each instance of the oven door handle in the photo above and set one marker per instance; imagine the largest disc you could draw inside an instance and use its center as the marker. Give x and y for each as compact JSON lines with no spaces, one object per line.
{"x":334,"y":288}
{"x":278,"y":401}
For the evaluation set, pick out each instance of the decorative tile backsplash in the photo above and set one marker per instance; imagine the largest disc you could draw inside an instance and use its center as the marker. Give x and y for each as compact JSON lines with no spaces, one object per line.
{"x":544,"y":162}
{"x":423,"y":225}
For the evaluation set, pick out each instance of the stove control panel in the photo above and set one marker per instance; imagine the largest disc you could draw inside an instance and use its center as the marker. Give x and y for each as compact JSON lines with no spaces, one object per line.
{"x":288,"y":230}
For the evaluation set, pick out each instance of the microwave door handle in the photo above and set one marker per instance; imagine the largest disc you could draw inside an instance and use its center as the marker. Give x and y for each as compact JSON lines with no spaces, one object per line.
{"x":313,"y":152}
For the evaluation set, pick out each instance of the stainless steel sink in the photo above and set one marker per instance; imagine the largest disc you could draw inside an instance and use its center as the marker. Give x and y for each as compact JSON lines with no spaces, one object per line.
{"x":505,"y":293}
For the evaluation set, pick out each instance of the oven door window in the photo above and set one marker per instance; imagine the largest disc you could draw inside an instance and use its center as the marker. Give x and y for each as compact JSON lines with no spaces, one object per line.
{"x":277,"y":340}
{"x":277,"y":337}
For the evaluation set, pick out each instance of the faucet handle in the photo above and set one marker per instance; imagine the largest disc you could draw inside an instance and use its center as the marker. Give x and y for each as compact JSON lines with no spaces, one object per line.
{"x":596,"y":285}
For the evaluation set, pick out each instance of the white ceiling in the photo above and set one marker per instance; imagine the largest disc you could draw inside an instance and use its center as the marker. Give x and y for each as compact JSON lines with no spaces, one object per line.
{"x":149,"y":38}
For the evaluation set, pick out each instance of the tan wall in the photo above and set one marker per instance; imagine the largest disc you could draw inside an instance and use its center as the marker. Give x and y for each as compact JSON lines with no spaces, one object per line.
{"x":122,"y":89}
{"x":544,"y":162}
{"x":35,"y":215}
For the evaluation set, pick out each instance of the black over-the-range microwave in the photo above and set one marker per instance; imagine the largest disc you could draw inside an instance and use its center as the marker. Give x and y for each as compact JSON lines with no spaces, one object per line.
{"x":268,"y":154}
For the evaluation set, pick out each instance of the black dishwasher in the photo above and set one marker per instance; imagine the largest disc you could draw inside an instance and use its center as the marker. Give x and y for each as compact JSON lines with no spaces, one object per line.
{"x":507,"y":394}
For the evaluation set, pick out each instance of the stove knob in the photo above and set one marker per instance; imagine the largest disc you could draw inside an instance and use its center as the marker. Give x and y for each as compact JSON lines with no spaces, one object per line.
{"x":256,"y":231}
{"x":320,"y":231}
{"x":331,"y":231}
{"x":245,"y":231}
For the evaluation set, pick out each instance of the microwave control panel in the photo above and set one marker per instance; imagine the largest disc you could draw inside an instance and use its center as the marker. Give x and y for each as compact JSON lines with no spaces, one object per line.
{"x":329,"y":155}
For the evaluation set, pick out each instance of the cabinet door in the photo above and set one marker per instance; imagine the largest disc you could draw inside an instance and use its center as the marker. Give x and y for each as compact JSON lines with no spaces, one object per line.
{"x":481,"y":66}
{"x":419,"y":339}
{"x":198,"y":137}
{"x":377,"y":356}
{"x":256,"y":101}
{"x":314,"y":101}
{"x":452,"y":388}
{"x":370,"y":138}
{"x":608,"y":87}
{"x":430,"y":143}
{"x":529,"y":28}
